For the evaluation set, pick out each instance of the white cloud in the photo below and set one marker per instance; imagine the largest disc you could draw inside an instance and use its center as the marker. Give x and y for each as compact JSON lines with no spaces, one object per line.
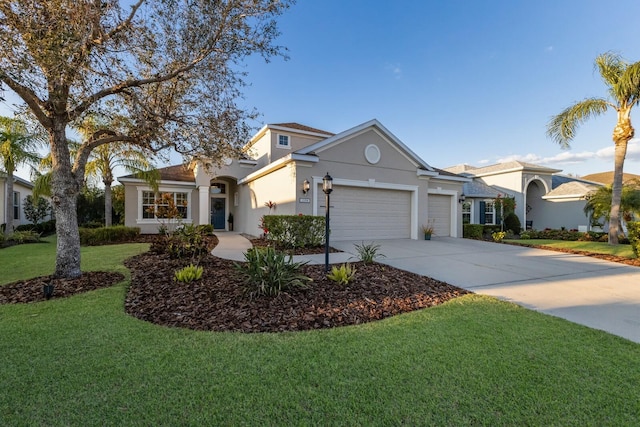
{"x":548,"y":49}
{"x":395,"y":70}
{"x":633,"y":151}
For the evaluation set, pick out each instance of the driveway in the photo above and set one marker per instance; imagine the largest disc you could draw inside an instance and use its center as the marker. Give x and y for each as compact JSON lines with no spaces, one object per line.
{"x":592,"y":292}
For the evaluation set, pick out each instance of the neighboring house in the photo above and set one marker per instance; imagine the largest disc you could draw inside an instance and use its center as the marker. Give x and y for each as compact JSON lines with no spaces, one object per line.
{"x":544,"y":199}
{"x":21,"y":189}
{"x":381,"y":189}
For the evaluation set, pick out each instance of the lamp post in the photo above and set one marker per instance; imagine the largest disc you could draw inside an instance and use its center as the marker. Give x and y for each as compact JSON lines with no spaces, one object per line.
{"x":327,"y":188}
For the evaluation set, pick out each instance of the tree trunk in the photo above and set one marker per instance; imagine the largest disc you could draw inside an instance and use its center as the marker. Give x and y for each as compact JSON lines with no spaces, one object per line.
{"x":8,"y":221}
{"x":107,"y":204}
{"x":64,"y":192}
{"x":622,"y":133}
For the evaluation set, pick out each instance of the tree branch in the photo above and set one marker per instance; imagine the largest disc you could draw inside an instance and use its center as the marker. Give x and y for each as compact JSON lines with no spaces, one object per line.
{"x":36,"y":105}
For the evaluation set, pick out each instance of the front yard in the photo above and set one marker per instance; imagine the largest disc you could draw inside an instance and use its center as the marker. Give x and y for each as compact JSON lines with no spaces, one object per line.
{"x":470,"y":361}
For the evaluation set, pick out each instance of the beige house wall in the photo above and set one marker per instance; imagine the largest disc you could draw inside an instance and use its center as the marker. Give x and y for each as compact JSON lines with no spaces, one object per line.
{"x":24,"y":192}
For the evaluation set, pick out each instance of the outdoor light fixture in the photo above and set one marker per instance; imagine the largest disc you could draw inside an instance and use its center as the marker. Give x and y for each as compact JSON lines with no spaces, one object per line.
{"x":327,"y":184}
{"x":462,"y":198}
{"x":327,"y":188}
{"x":305,"y":186}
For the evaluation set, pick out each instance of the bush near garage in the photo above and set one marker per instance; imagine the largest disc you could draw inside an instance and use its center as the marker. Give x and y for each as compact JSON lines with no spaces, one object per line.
{"x":295,"y":231}
{"x":473,"y":231}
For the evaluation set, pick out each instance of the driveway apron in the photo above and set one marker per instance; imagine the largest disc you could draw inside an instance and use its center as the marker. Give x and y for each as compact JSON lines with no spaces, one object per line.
{"x":596,"y":293}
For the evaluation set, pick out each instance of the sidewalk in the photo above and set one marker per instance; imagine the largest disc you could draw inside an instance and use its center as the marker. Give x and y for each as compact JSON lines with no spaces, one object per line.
{"x":232,"y":245}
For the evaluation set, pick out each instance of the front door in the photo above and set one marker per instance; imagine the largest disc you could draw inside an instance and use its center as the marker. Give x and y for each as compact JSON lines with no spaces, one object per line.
{"x":218,"y":213}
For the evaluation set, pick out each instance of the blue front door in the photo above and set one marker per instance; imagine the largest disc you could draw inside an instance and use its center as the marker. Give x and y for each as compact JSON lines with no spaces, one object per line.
{"x":218,"y":213}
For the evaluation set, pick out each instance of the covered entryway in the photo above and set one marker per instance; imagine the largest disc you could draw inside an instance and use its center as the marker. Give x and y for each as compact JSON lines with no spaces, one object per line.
{"x":359,"y":213}
{"x":440,"y":214}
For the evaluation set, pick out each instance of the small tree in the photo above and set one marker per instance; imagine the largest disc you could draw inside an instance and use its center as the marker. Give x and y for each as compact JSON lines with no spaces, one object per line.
{"x":36,"y":211}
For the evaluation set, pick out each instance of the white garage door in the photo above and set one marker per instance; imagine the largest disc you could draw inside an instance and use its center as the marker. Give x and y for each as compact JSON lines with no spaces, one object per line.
{"x":368,"y":213}
{"x":440,"y":213}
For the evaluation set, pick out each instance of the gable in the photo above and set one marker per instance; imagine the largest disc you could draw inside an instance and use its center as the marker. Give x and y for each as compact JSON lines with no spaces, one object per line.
{"x":367,"y":144}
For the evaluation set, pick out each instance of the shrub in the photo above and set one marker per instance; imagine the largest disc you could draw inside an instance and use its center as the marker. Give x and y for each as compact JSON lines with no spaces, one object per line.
{"x":498,"y":236}
{"x":205,"y":229}
{"x":188,"y":274}
{"x":105,"y":235}
{"x":295,"y":231}
{"x":187,"y":241}
{"x":525,"y":236}
{"x":27,"y":236}
{"x":342,"y":275}
{"x":367,"y":253}
{"x":512,"y":222}
{"x":473,"y":231}
{"x":268,"y":272}
{"x":633,"y":228}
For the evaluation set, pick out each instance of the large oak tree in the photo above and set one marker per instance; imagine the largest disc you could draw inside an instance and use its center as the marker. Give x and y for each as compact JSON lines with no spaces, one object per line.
{"x":172,"y":68}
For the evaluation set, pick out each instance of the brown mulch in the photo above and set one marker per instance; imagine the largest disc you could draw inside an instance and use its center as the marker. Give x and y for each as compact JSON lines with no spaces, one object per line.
{"x":217,"y":303}
{"x":31,"y":290}
{"x":262,"y":242}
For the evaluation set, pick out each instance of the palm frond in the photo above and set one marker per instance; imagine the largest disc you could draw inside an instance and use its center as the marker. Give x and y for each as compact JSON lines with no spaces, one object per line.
{"x":611,"y":67}
{"x":563,"y":127}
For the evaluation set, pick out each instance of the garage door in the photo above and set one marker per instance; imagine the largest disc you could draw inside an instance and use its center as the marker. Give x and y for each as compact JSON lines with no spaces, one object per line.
{"x":368,"y":213}
{"x":440,"y":213}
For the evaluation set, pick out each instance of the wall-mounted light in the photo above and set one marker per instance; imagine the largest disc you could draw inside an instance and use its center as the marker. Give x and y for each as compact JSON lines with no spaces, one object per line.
{"x":305,"y":186}
{"x":462,"y":198}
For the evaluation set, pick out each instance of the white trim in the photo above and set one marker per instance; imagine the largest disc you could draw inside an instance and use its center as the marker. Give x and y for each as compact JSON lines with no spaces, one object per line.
{"x":278,"y":145}
{"x":203,"y":202}
{"x":163,"y":189}
{"x":316,"y":181}
{"x":278,"y":164}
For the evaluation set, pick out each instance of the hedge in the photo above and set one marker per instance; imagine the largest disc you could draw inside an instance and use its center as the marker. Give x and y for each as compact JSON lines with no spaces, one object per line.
{"x":104,"y":235}
{"x":473,"y":231}
{"x":633,"y":228}
{"x":295,"y":231}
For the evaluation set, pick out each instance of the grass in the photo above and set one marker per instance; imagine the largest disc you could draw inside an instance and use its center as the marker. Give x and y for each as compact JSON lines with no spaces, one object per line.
{"x":594,"y":247}
{"x":472,"y":361}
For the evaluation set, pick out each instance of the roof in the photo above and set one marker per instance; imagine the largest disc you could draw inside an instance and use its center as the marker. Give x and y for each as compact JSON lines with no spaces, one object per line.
{"x":298,"y":126}
{"x":607,"y":177}
{"x":511,"y":166}
{"x":572,"y":189}
{"x":17,"y":179}
{"x":460,"y":169}
{"x":479,"y":189}
{"x":172,"y":173}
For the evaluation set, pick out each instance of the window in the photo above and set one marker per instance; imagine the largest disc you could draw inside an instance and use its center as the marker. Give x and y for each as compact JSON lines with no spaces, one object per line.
{"x":466,"y":213}
{"x":148,"y":204}
{"x":16,"y":205}
{"x":218,"y":188}
{"x":283,"y":141}
{"x":489,"y":213}
{"x":152,"y":203}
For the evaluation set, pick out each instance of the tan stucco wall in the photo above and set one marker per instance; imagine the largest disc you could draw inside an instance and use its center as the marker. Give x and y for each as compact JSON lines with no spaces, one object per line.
{"x":24,"y":192}
{"x":278,"y":187}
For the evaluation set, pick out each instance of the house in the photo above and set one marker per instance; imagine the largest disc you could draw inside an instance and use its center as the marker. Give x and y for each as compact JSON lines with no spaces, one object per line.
{"x":21,"y":189}
{"x":544,"y":198}
{"x":381,"y":189}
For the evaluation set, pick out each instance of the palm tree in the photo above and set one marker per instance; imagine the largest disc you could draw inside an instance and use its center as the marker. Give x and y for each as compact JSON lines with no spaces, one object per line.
{"x":623,"y":82}
{"x":17,"y":147}
{"x":105,"y":158}
{"x":599,"y":203}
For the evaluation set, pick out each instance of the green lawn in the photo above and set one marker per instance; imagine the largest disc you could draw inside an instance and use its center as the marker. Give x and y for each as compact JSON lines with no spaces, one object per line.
{"x":471,"y":361}
{"x":595,"y":247}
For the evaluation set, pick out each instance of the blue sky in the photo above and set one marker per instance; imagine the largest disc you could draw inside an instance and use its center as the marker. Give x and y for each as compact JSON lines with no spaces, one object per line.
{"x":458,"y":81}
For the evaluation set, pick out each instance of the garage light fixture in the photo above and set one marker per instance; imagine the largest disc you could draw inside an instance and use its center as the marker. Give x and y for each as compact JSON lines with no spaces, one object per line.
{"x":462,"y":198}
{"x":305,"y":186}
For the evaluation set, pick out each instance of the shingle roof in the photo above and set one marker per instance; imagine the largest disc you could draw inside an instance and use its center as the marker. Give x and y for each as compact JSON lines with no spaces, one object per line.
{"x":460,"y":169}
{"x":607,"y":177}
{"x":173,"y":173}
{"x":477,"y":188}
{"x":298,"y":126}
{"x":576,"y":189}
{"x":513,"y":165}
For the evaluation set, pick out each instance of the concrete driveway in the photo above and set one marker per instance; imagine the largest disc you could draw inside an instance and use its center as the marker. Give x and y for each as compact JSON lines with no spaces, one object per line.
{"x":592,"y":292}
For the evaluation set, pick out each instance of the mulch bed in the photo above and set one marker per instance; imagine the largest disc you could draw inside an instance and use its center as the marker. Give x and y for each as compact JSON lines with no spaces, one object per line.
{"x":217,"y":303}
{"x":26,"y":291}
{"x":262,"y":243}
